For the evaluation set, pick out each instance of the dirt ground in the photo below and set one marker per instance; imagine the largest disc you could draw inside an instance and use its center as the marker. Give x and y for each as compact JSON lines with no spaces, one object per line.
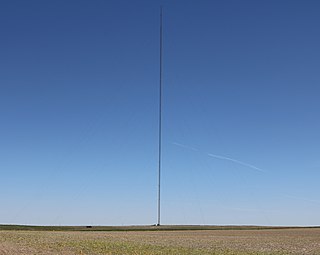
{"x":281,"y":241}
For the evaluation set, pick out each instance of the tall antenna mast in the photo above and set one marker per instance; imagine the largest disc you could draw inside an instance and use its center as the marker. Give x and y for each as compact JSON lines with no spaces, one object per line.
{"x":160,"y":119}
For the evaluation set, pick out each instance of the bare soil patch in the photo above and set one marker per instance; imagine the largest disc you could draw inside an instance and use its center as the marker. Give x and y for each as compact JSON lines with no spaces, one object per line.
{"x":264,"y":242}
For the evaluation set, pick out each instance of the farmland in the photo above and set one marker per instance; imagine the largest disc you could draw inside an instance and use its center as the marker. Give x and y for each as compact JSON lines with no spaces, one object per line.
{"x":227,"y":241}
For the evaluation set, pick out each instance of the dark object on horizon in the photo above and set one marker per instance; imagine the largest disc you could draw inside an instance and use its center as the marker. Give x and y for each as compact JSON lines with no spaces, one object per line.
{"x":88,"y":226}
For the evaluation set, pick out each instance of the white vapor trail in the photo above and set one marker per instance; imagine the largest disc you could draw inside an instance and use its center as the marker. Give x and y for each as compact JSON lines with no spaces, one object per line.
{"x":185,"y":146}
{"x":303,"y":199}
{"x":237,"y":161}
{"x":222,"y":157}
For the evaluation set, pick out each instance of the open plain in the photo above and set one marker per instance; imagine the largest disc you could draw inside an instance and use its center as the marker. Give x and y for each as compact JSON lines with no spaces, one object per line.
{"x":231,"y":241}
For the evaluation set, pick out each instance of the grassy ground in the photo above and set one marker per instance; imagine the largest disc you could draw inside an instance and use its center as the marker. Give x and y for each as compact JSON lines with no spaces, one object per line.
{"x":228,"y":242}
{"x":141,"y":228}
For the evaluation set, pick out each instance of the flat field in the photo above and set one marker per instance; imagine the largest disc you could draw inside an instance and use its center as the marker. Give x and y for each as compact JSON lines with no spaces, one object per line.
{"x":237,"y":242}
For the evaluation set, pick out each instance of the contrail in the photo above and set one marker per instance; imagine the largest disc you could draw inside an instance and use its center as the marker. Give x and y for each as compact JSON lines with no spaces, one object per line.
{"x":221,"y":157}
{"x":185,"y":146}
{"x":236,"y":161}
{"x":247,"y":209}
{"x":303,"y":199}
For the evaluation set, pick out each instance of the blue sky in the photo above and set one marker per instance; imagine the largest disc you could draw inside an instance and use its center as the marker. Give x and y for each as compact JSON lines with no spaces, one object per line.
{"x":79,"y":102}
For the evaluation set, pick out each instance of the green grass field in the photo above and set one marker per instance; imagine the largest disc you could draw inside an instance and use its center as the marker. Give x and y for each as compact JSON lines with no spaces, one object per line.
{"x":143,"y":228}
{"x":170,"y":240}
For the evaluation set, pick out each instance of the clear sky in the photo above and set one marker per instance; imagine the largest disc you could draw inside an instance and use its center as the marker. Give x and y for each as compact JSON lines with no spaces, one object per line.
{"x":79,"y":101}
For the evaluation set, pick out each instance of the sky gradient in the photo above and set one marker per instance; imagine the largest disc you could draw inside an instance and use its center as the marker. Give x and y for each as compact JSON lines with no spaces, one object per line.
{"x":79,"y":104}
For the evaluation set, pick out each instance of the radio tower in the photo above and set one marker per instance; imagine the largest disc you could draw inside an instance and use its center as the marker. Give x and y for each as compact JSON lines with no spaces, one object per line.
{"x":160,"y":121}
